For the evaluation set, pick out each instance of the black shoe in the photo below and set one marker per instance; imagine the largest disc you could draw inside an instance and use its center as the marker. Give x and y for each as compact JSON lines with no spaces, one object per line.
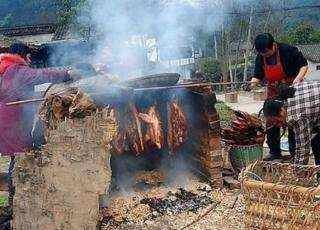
{"x":272,"y":157}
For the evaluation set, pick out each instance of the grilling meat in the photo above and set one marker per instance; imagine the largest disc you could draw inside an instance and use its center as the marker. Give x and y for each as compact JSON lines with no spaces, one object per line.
{"x":134,"y":133}
{"x":177,"y":127}
{"x":130,"y":135}
{"x":153,"y":138}
{"x":244,"y":129}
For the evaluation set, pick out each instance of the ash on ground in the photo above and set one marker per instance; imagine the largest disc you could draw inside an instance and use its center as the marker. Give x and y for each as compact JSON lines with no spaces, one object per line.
{"x":176,"y":203}
{"x":174,"y":207}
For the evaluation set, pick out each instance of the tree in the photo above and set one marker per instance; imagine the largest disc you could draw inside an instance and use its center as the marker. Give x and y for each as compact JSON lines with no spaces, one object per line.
{"x":210,"y":68}
{"x":304,"y":33}
{"x":75,"y":15}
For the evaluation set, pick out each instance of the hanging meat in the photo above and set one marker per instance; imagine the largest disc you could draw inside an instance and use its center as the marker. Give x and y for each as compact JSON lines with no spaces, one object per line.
{"x":129,"y":137}
{"x":119,"y":142}
{"x":134,"y":134}
{"x":177,"y":127}
{"x":153,"y":138}
{"x":245,"y":129}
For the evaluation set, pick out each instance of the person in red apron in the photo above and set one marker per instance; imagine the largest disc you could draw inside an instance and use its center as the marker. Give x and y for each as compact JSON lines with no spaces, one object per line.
{"x":277,"y":64}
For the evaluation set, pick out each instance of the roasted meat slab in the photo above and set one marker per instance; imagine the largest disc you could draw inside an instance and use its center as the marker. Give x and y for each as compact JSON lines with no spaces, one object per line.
{"x":153,"y":137}
{"x":177,"y":127}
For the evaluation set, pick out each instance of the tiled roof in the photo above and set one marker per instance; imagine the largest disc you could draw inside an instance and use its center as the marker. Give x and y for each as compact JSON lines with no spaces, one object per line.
{"x":28,"y":30}
{"x":311,"y":52}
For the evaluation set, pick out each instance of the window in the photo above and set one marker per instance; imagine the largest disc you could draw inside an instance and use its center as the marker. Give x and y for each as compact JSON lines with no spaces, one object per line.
{"x":318,"y":67}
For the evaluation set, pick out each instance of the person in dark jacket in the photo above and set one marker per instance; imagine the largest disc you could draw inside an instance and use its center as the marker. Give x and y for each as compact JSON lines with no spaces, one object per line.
{"x":17,"y":81}
{"x":277,"y":64}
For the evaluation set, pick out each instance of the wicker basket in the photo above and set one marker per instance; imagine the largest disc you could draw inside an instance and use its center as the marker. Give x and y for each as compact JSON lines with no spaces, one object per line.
{"x":241,"y":156}
{"x":281,"y":196}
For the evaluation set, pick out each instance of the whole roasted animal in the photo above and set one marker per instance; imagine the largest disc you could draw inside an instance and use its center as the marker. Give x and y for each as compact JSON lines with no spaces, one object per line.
{"x":244,"y":129}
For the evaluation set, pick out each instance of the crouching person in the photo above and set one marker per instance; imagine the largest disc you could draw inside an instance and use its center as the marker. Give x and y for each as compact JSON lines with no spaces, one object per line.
{"x":17,"y":81}
{"x":300,"y":110}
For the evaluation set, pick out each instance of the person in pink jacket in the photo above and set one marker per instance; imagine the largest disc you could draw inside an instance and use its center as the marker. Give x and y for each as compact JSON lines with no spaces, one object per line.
{"x":17,"y":81}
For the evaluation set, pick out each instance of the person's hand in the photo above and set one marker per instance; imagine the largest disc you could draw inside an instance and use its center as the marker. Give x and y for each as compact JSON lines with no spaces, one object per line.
{"x":297,"y":80}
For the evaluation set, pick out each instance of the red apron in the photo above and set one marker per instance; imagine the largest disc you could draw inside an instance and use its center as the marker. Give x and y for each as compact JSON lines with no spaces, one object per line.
{"x":275,"y":75}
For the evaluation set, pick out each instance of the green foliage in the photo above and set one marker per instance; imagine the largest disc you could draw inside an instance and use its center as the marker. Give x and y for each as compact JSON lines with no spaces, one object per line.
{"x":3,"y":201}
{"x":69,"y":14}
{"x":209,"y":66}
{"x":304,"y":33}
{"x":315,"y":36}
{"x":225,"y":112}
{"x":27,"y":12}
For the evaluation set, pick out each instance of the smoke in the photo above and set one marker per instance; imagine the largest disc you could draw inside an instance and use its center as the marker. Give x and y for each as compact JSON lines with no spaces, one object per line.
{"x":133,"y":35}
{"x":178,"y":169}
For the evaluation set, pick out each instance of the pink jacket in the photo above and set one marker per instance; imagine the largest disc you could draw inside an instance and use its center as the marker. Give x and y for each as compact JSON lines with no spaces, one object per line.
{"x":17,"y":81}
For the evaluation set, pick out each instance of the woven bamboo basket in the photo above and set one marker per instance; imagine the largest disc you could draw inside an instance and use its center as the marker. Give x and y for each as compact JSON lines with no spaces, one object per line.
{"x":281,"y":196}
{"x":241,"y":156}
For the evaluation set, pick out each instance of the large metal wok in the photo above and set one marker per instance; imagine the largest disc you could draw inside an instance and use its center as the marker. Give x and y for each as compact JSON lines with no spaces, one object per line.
{"x":156,"y":80}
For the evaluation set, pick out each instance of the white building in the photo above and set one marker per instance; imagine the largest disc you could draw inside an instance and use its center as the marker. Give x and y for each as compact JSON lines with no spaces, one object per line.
{"x":312,"y":54}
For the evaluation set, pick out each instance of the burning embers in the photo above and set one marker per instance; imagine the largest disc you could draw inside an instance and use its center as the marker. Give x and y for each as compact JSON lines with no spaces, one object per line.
{"x":176,"y":203}
{"x":156,"y":203}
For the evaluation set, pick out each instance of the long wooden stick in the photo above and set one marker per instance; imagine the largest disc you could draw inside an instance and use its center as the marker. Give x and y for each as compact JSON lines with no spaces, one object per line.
{"x":200,"y":217}
{"x":135,"y":90}
{"x":31,"y":100}
{"x":25,"y":101}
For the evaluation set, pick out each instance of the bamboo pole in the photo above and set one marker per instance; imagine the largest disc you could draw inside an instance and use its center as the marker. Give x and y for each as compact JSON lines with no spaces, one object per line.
{"x":25,"y":101}
{"x":135,"y":90}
